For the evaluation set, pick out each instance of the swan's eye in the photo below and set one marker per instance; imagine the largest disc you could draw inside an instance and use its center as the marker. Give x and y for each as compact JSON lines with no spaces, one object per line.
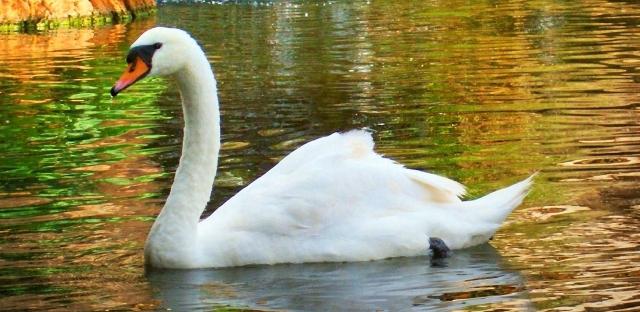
{"x":157,"y":45}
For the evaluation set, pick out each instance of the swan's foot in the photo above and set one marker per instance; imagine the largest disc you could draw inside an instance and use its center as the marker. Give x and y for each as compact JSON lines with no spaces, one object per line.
{"x":438,"y":248}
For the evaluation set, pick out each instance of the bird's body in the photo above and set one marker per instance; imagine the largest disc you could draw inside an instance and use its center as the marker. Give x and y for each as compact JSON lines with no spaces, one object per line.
{"x":332,"y":199}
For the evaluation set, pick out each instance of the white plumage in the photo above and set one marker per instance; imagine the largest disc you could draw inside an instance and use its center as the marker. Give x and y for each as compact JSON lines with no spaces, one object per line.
{"x":332,"y":199}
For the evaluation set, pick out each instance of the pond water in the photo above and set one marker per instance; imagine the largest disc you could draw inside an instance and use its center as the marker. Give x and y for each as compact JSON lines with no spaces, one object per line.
{"x":484,"y":92}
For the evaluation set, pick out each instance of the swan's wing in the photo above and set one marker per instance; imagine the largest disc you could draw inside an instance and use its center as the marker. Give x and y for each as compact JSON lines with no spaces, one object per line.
{"x":331,"y":180}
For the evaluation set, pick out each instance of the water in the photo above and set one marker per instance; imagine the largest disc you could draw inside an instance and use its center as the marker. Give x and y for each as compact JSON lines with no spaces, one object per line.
{"x":482,"y":92}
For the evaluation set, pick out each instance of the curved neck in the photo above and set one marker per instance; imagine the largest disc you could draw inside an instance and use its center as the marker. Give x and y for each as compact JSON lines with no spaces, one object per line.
{"x":176,"y":225}
{"x":196,"y":172}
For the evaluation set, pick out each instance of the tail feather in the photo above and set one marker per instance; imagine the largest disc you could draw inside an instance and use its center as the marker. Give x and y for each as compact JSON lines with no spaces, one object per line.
{"x":496,"y":206}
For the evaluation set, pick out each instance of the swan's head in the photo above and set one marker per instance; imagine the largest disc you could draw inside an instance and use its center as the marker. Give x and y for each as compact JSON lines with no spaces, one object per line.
{"x":159,"y":51}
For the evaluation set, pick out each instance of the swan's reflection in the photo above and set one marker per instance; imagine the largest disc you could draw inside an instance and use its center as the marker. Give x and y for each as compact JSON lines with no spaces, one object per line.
{"x":470,"y":277}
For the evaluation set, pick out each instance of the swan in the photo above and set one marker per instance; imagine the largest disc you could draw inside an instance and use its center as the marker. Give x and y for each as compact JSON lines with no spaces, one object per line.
{"x":332,"y":199}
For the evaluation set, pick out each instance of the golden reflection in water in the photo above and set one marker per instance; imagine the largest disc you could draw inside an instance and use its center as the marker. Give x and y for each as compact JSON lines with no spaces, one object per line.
{"x":577,"y":256}
{"x":43,"y":57}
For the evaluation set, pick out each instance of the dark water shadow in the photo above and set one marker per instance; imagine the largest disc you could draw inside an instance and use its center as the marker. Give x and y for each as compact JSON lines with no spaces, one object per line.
{"x":471,"y":277}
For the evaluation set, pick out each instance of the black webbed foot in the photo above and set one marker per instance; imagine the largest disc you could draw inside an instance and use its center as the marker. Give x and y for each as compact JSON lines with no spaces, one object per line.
{"x":438,"y":248}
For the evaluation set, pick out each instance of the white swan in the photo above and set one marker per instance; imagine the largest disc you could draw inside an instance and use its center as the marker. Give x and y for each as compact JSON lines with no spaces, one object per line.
{"x":332,"y":199}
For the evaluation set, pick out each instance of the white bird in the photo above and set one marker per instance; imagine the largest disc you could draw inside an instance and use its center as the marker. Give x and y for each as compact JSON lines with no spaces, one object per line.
{"x":332,"y":199}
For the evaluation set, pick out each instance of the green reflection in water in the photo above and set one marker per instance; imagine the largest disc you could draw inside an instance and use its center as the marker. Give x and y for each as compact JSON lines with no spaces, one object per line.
{"x":62,"y":139}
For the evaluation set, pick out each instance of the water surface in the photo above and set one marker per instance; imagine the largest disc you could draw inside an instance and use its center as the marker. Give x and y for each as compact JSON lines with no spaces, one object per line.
{"x":482,"y":92}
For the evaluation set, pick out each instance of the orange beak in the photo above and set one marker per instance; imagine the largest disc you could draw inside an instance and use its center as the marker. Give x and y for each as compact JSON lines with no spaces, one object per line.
{"x":135,"y":71}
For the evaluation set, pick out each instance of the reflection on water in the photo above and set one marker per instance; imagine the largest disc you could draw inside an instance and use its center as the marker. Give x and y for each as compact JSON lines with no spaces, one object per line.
{"x":484,"y":92}
{"x":470,"y":277}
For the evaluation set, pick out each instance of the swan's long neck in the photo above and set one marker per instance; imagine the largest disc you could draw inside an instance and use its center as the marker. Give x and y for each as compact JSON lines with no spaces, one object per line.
{"x":194,"y":178}
{"x":176,"y":226}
